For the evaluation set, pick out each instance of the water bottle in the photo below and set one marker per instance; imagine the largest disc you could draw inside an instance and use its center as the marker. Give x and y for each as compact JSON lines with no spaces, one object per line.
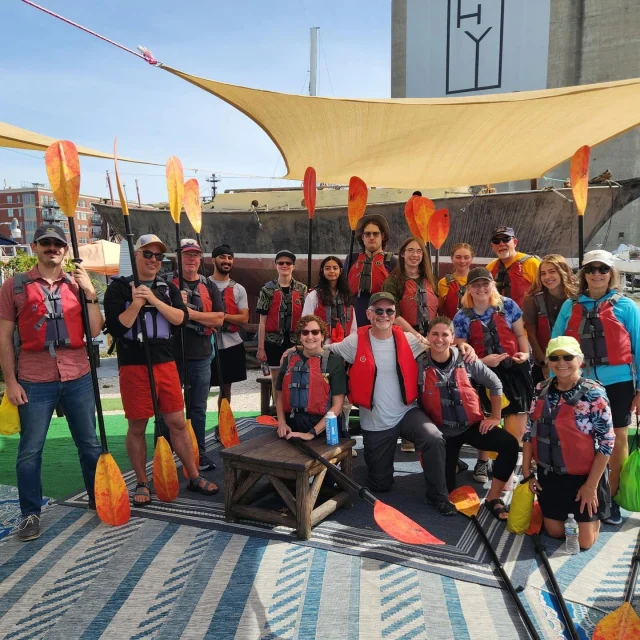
{"x":572,"y":545}
{"x":331,"y":427}
{"x":266,"y":371}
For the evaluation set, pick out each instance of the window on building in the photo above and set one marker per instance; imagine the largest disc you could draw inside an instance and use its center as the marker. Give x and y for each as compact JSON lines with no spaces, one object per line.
{"x":9,"y":199}
{"x":10,"y":213}
{"x":44,"y":200}
{"x":18,"y":198}
{"x":29,"y":198}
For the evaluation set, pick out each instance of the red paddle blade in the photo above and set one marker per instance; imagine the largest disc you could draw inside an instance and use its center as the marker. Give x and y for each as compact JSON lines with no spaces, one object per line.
{"x":579,"y":176}
{"x":410,"y":217}
{"x":621,"y":624}
{"x":423,"y":209}
{"x":465,"y":500}
{"x":536,"y":520}
{"x":357,"y":203}
{"x":439,"y":228}
{"x":309,"y":191}
{"x":267,"y":421}
{"x":398,"y":526}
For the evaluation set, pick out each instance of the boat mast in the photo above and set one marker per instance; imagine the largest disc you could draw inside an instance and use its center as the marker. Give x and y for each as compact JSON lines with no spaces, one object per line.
{"x":313,"y":68}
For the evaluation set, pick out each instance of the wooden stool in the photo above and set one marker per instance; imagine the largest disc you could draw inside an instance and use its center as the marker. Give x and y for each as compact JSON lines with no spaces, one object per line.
{"x":279,"y":460}
{"x":265,"y":393}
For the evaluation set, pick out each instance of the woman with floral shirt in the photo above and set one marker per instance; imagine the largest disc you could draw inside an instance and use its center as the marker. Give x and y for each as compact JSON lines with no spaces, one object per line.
{"x":571,"y":437}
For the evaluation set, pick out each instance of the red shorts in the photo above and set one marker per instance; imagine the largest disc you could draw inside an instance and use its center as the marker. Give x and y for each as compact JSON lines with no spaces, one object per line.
{"x":136,"y":394}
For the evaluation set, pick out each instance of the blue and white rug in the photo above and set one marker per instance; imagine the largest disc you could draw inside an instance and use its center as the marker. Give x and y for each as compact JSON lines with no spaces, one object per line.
{"x":10,"y":514}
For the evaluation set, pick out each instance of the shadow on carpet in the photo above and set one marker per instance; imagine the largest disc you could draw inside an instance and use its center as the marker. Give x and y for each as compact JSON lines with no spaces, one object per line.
{"x":354,"y":531}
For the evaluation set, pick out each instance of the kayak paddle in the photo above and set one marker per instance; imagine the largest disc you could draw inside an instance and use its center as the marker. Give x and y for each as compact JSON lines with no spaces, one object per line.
{"x":309,"y":190}
{"x":438,"y":230}
{"x":579,"y":176}
{"x":356,"y":205}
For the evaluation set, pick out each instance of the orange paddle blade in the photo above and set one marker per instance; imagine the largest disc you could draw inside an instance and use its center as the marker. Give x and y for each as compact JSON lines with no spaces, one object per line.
{"x":309,"y":190}
{"x":398,"y":526}
{"x":536,"y":519}
{"x":165,"y":474}
{"x":579,"y":176}
{"x":337,"y":334}
{"x":621,"y":624}
{"x":357,"y":203}
{"x":410,"y":217}
{"x":123,"y":201}
{"x":267,"y":421}
{"x":439,"y":227}
{"x":423,"y":209}
{"x":63,"y":171}
{"x":227,"y":430}
{"x":112,"y":497}
{"x":192,"y":204}
{"x":465,"y":500}
{"x":194,"y":448}
{"x":175,"y":187}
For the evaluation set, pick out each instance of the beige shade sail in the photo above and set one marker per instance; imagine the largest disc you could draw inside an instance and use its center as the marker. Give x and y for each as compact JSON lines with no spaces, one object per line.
{"x":101,"y":257}
{"x":436,"y":142}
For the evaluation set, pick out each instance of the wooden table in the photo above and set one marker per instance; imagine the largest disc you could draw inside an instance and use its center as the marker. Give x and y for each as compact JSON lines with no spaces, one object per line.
{"x":279,"y":460}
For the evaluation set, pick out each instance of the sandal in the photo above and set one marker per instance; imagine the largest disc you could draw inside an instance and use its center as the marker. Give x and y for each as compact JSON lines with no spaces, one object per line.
{"x":497,"y":508}
{"x":203,"y":486}
{"x":142,"y":490}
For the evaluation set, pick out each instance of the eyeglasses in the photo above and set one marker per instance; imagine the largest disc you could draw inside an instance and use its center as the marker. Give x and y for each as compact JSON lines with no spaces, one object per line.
{"x":412,"y":251}
{"x":147,"y":255}
{"x":380,"y":312}
{"x":371,"y":234}
{"x":313,"y":332}
{"x":501,"y":240}
{"x":602,"y":269}
{"x":284,"y":263}
{"x":566,"y":358}
{"x":49,"y":242}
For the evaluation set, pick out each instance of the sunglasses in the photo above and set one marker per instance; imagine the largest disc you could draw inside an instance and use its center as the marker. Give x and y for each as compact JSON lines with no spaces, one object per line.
{"x":566,"y":358}
{"x":284,"y":263}
{"x":52,"y":243}
{"x":371,"y":234}
{"x":147,"y":255}
{"x":602,"y":269}
{"x":313,"y":332}
{"x":380,"y":312}
{"x":501,"y":240}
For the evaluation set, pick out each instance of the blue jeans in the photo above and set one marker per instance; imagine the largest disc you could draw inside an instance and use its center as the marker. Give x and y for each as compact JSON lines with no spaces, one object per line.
{"x":199,"y":381}
{"x":77,"y":400}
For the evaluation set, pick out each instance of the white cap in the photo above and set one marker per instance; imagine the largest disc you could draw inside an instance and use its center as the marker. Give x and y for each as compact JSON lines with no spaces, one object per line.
{"x":330,"y":414}
{"x":598,"y":255}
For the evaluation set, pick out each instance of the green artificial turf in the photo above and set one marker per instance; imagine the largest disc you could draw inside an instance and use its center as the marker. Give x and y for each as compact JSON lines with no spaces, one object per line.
{"x":61,"y":474}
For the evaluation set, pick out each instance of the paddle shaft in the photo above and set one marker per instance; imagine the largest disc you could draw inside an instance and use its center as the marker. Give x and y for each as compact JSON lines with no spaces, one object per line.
{"x":556,"y":588}
{"x":528,"y":623}
{"x":436,"y":268}
{"x":580,"y":240}
{"x":635,"y":563}
{"x":87,"y":332}
{"x":347,"y":265}
{"x":199,"y":241}
{"x":181,"y":336}
{"x":309,"y":252}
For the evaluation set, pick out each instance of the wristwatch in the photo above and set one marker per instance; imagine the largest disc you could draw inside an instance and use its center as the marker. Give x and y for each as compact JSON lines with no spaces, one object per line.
{"x":92,"y":301}
{"x":313,"y":430}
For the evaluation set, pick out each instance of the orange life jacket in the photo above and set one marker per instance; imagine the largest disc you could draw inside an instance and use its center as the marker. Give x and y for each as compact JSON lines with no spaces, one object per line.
{"x":367,"y":275}
{"x":417,"y":304}
{"x":494,"y":337}
{"x":363,"y":371}
{"x":230,"y":306}
{"x":453,"y":300}
{"x":511,"y":282}
{"x":305,"y":385}
{"x":285,"y":310}
{"x":200,"y":300}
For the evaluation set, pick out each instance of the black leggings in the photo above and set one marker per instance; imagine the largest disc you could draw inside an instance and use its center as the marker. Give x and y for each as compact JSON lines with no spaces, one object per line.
{"x":497,"y":440}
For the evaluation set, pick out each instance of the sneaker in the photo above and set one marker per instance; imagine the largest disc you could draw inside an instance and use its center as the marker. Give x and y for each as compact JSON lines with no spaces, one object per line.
{"x":615,"y":517}
{"x":29,"y":528}
{"x":407,"y":447}
{"x":205,"y":464}
{"x":461,"y":466}
{"x":481,"y":471}
{"x":91,"y":505}
{"x":446,"y":508}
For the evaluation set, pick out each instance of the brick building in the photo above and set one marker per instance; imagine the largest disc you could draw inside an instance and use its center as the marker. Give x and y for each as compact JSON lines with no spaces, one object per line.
{"x":34,"y":203}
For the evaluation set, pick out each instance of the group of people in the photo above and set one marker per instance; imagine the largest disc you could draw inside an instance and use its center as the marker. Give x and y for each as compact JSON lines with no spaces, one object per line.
{"x":521,"y":344}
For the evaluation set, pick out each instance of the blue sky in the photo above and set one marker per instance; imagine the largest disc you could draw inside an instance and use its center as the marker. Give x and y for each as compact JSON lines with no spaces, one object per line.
{"x":62,"y":82}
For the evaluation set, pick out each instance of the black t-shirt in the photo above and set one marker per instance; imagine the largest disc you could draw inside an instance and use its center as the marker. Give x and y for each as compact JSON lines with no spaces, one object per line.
{"x":443,"y":365}
{"x":117,"y":295}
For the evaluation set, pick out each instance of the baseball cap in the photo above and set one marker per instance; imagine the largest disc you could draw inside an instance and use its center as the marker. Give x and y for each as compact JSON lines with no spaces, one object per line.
{"x":564,"y":343}
{"x":503,"y":231}
{"x":285,"y":253}
{"x":189,"y":245}
{"x":479,"y":273}
{"x":49,"y":231}
{"x":598,"y":255}
{"x":149,"y":238}
{"x":381,"y":295}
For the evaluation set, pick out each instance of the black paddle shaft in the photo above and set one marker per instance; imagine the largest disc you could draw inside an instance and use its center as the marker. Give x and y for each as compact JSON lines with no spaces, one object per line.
{"x":87,"y":332}
{"x":309,"y":252}
{"x":528,"y":623}
{"x":635,"y":563}
{"x":181,"y":336}
{"x":347,"y":262}
{"x":580,"y":240}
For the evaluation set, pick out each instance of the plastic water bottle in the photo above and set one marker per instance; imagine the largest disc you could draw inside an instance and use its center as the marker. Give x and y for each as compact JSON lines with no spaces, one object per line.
{"x":572,"y":545}
{"x":331,"y":427}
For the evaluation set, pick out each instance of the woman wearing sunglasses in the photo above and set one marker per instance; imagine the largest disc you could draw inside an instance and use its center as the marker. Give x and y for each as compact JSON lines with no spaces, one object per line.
{"x":607,"y":325}
{"x":570,"y":437}
{"x":451,"y":288}
{"x":554,"y":284}
{"x":331,"y":301}
{"x":311,"y":382}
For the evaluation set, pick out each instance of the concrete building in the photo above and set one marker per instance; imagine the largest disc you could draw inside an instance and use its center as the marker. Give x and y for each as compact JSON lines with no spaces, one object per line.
{"x":469,"y":47}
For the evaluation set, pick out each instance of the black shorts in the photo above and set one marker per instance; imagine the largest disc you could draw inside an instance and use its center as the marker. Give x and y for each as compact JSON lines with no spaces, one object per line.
{"x":233,"y":364}
{"x":620,"y":397}
{"x":558,"y":497}
{"x":274,"y":352}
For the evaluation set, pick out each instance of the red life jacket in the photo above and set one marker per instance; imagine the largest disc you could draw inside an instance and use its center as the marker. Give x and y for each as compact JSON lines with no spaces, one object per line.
{"x":511,"y":282}
{"x":200,"y":300}
{"x":558,"y":444}
{"x":305,"y":386}
{"x":494,"y":337}
{"x":230,"y":306}
{"x":49,"y":318}
{"x":603,"y":338}
{"x":449,"y":400}
{"x":363,"y":371}
{"x":284,"y":311}
{"x":543,"y":324}
{"x":453,"y":300}
{"x":335,"y":314}
{"x":367,"y":275}
{"x":418,"y":304}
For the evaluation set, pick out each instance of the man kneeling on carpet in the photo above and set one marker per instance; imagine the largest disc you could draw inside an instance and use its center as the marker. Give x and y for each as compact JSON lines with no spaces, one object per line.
{"x":311,"y":382}
{"x":570,"y":436}
{"x":163,"y":311}
{"x":448,"y":397}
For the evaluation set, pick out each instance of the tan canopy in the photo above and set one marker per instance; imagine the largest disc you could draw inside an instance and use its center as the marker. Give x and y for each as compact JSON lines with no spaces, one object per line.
{"x":439,"y":142}
{"x":101,"y":257}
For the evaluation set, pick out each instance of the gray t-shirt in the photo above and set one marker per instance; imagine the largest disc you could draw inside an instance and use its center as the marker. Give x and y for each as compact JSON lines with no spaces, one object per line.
{"x":227,"y":338}
{"x":388,"y":407}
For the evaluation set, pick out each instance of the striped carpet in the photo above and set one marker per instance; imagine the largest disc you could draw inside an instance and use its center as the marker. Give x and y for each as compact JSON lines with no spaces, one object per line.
{"x":156,"y":579}
{"x":10,"y":509}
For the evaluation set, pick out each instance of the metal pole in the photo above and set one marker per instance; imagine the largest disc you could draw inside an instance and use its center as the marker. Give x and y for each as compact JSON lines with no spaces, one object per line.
{"x":110,"y":188}
{"x":138,"y":192}
{"x":313,"y":69}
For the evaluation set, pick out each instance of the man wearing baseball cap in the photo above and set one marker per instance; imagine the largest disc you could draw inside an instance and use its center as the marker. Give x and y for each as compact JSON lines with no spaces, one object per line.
{"x":162,"y":309}
{"x":370,"y":268}
{"x":44,"y":305}
{"x":513,"y":271}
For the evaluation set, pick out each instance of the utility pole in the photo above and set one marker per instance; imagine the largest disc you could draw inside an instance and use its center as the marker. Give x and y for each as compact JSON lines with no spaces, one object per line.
{"x":138,"y":192}
{"x":213,"y":180}
{"x":313,"y":68}
{"x":110,"y":188}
